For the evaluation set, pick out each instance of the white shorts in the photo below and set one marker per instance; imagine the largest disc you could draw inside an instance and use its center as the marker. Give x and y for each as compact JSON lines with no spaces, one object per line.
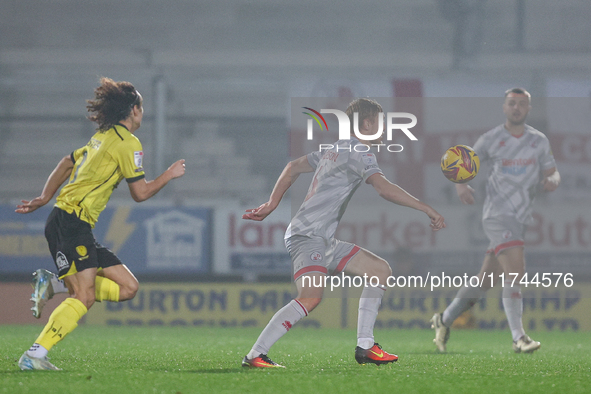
{"x":504,"y":232}
{"x":314,"y":254}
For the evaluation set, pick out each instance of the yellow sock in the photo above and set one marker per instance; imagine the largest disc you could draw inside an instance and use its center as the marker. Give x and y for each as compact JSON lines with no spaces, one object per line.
{"x":62,"y":321}
{"x":106,"y":289}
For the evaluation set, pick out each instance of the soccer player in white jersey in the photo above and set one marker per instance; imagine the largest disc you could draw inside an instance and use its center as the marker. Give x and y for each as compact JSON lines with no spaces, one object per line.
{"x":310,"y":237}
{"x":522,"y":163}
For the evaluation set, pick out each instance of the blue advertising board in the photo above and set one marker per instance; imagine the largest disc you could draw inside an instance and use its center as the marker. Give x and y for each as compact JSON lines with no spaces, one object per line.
{"x":148,"y":239}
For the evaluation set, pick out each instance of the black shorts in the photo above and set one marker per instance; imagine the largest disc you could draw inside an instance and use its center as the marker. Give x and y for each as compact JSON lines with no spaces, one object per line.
{"x":72,"y":244}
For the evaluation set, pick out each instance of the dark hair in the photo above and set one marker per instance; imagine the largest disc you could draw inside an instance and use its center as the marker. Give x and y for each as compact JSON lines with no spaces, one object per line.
{"x":518,"y":91}
{"x":113,"y":102}
{"x":365,"y":107}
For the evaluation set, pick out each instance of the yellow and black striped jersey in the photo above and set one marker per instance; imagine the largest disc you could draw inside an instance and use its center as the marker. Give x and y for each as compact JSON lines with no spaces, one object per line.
{"x":99,"y":166}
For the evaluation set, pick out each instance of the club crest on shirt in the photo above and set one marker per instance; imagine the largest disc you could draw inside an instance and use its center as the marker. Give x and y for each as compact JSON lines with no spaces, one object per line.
{"x":316,"y":256}
{"x":507,"y":234}
{"x":138,"y":158}
{"x":368,"y":158}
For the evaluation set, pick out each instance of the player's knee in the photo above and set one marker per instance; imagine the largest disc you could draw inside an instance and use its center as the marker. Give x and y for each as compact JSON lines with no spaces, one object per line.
{"x":86,"y":297}
{"x":129,"y":290}
{"x":309,"y":303}
{"x":382,"y":270}
{"x":487,"y":284}
{"x":514,"y":272}
{"x":520,"y":273}
{"x":387,"y":269}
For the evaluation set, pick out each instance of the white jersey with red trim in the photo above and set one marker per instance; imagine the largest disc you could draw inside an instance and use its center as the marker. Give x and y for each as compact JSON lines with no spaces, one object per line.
{"x":517,"y":165}
{"x":338,"y":173}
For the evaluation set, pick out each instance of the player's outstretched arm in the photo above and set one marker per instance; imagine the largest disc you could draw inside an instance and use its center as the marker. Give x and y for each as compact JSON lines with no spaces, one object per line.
{"x":551,"y":179}
{"x":466,"y":193}
{"x":397,"y":195}
{"x":288,"y":176}
{"x":142,"y":190}
{"x":57,"y":177}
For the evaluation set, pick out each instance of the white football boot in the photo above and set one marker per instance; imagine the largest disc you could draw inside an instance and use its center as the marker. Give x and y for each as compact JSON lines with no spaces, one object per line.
{"x":441,"y":332}
{"x":28,"y":363}
{"x":526,"y":345}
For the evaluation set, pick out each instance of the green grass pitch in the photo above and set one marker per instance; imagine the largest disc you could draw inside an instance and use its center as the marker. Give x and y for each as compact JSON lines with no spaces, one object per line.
{"x":199,"y":360}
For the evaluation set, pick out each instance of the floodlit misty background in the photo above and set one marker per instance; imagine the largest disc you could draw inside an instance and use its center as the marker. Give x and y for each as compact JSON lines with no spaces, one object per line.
{"x":217,"y":79}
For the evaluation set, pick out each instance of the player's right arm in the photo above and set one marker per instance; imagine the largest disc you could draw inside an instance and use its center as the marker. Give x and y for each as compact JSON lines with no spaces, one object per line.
{"x":57,"y":177}
{"x":466,"y":193}
{"x":394,"y":193}
{"x":288,"y":176}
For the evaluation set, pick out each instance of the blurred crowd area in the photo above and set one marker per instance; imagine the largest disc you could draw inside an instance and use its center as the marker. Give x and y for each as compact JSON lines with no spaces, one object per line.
{"x":225,"y":72}
{"x":218,"y":81}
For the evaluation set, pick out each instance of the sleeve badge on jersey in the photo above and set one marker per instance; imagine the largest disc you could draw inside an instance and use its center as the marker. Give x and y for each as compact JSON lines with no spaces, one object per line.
{"x":369,"y":158}
{"x":138,"y":159}
{"x":316,"y":256}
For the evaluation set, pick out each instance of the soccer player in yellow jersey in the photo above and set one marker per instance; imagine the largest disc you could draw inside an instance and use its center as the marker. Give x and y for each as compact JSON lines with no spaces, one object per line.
{"x":90,"y":271}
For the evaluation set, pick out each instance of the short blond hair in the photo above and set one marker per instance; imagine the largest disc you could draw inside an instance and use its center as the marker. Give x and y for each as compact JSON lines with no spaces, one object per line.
{"x":365,"y":107}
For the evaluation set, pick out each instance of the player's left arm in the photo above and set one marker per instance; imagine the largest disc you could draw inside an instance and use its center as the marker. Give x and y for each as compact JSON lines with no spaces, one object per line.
{"x":141,"y":190}
{"x":57,"y":177}
{"x":128,"y":155}
{"x":399,"y":196}
{"x":288,"y":176}
{"x":551,"y":179}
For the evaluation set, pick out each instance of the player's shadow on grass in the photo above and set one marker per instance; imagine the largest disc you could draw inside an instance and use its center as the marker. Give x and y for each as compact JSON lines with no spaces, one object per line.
{"x":212,"y":370}
{"x":435,"y":353}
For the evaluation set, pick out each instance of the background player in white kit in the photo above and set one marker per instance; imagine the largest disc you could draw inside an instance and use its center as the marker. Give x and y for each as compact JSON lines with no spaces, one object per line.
{"x":522,"y":162}
{"x":310,"y":236}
